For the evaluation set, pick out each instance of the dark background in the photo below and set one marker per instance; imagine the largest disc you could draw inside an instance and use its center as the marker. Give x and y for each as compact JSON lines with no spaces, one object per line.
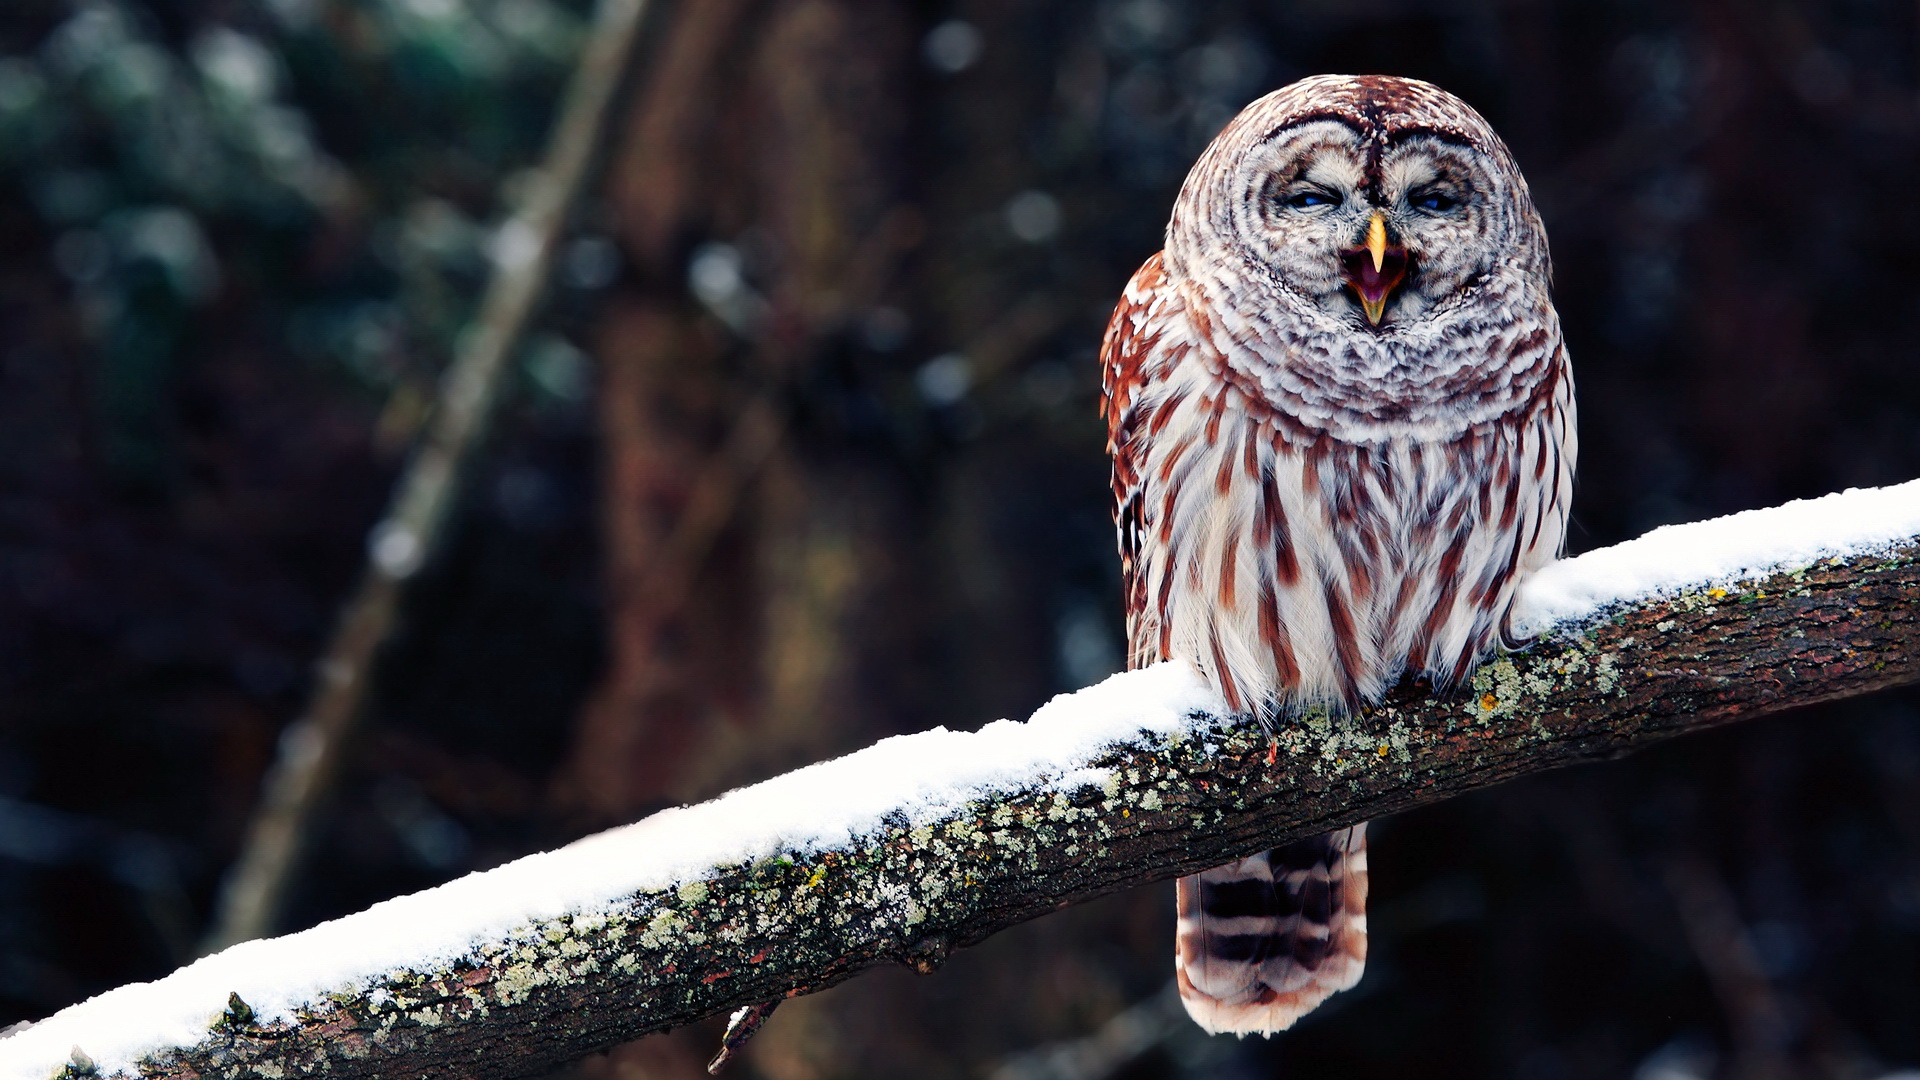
{"x":239,"y":239}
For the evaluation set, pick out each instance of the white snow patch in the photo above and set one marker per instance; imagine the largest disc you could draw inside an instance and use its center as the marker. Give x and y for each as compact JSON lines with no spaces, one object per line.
{"x":923,"y":777}
{"x":1721,"y":551}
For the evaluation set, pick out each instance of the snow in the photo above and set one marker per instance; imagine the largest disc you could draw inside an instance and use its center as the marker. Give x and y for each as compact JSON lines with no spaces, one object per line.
{"x":1722,"y":551}
{"x":923,"y":777}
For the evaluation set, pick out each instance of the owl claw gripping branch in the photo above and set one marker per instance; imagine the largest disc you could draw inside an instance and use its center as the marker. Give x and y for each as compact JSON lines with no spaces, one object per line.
{"x":1375,"y":268}
{"x":1314,"y":498}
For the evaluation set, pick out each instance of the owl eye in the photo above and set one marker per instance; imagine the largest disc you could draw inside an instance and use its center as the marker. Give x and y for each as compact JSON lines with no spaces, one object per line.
{"x":1433,"y":202}
{"x":1311,"y":199}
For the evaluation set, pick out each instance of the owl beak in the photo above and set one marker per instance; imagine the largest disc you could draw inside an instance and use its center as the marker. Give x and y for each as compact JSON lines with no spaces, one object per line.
{"x":1375,"y":268}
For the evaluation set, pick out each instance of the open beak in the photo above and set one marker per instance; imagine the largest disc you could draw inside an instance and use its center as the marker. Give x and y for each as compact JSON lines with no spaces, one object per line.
{"x":1375,"y":268}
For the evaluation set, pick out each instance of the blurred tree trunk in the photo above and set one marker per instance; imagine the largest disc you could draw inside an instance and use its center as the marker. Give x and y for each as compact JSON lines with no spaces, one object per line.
{"x":663,"y":378}
{"x":737,"y":569}
{"x":828,"y":157}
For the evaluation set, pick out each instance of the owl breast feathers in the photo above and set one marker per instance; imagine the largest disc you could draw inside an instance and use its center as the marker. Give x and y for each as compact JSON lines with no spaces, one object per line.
{"x":1342,"y":427}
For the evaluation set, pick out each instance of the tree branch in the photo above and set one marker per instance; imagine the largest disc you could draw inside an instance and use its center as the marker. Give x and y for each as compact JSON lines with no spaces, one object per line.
{"x":910,"y":885}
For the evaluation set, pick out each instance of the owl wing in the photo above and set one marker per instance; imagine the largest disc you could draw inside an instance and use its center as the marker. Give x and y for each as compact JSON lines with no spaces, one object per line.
{"x":1262,"y":940}
{"x":1143,"y":337}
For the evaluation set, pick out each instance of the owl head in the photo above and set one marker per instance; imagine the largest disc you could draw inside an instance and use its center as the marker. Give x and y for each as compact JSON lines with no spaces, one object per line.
{"x":1370,"y":203}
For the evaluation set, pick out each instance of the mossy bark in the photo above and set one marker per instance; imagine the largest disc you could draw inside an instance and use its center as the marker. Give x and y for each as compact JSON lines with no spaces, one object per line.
{"x":748,"y":934}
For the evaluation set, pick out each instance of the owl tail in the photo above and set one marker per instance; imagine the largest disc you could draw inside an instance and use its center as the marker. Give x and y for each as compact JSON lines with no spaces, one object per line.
{"x":1264,"y":940}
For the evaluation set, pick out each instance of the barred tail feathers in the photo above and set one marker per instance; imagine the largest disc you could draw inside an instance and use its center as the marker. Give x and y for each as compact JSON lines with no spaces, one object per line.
{"x":1264,"y":940}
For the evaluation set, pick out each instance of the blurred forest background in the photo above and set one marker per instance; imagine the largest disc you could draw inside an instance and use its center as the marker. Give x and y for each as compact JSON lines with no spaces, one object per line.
{"x":803,"y":451}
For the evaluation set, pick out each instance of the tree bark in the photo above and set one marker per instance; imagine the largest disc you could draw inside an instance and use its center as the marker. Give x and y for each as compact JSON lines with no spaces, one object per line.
{"x":748,"y":934}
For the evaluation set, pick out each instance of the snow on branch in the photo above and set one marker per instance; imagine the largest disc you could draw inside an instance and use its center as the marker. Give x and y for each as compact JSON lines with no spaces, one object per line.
{"x":923,"y":843}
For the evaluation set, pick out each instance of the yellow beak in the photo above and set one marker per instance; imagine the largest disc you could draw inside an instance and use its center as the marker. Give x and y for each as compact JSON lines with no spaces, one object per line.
{"x":1375,"y":268}
{"x":1377,"y":241}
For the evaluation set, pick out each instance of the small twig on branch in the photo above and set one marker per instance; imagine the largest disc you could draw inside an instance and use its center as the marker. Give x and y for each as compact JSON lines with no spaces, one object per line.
{"x":746,"y":1020}
{"x":410,"y":534}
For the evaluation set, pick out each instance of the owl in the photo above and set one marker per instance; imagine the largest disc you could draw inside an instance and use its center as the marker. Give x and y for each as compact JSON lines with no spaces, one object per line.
{"x":1342,"y":428}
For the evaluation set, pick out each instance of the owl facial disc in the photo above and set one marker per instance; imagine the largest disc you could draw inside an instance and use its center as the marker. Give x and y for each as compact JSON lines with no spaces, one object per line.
{"x":1375,"y":268}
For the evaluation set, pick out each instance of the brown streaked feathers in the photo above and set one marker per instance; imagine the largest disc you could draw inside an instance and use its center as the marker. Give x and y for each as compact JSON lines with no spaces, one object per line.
{"x":1311,"y":503}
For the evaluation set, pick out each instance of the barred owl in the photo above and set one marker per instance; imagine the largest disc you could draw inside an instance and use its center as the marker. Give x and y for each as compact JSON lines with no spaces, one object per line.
{"x":1342,"y":427}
